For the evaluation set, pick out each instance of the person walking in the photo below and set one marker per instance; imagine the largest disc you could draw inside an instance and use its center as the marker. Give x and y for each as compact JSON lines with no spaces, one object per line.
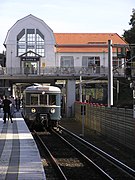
{"x":17,"y":102}
{"x":6,"y":108}
{"x":1,"y":103}
{"x":12,"y":107}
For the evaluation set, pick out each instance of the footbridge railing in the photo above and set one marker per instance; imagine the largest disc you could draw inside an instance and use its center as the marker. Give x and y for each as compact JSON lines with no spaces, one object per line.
{"x":60,"y":71}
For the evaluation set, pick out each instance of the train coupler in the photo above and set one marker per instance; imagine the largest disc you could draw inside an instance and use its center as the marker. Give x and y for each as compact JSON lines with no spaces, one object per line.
{"x":44,"y":119}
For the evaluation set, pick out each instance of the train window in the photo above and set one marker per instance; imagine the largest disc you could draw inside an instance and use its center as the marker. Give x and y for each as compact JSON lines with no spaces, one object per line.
{"x":34,"y":99}
{"x":43,"y":99}
{"x":52,"y":99}
{"x":27,"y":99}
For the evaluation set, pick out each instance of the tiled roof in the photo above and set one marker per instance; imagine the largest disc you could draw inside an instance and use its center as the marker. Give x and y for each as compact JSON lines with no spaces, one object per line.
{"x":86,"y":42}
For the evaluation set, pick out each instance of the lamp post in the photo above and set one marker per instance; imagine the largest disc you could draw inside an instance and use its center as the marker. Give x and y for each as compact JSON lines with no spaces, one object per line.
{"x":80,"y":86}
{"x":110,"y":75}
{"x":117,"y":92}
{"x":82,"y":105}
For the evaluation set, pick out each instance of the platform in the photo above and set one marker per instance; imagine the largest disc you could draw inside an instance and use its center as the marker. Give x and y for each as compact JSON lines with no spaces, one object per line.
{"x":19,"y":155}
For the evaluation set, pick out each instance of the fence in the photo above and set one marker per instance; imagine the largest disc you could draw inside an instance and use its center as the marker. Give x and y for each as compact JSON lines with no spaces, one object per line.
{"x":59,"y":71}
{"x":115,"y":123}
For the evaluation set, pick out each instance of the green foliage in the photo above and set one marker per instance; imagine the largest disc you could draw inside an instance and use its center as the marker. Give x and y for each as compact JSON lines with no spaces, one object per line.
{"x":129,"y":35}
{"x":125,"y":96}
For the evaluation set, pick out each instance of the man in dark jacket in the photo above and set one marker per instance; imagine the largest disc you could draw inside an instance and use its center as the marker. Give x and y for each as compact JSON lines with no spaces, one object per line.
{"x":6,"y":108}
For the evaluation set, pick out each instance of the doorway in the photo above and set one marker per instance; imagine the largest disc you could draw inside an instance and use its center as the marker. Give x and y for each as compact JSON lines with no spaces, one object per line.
{"x":30,"y":67}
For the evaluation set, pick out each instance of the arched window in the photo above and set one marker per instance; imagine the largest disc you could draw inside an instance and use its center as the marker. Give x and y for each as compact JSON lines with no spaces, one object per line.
{"x":30,"y":40}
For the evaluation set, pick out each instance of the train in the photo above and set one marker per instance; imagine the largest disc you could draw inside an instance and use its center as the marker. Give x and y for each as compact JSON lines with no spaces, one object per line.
{"x":42,"y":106}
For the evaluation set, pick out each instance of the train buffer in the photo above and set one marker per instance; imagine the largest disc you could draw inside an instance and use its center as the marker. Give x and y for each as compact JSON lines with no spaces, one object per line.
{"x":19,"y":155}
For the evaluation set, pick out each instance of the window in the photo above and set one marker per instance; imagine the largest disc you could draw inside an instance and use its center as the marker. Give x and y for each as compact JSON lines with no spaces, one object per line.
{"x":117,"y":62}
{"x":88,"y":61}
{"x":67,"y":61}
{"x":30,"y":40}
{"x":52,"y":99}
{"x":43,"y":99}
{"x":34,"y":99}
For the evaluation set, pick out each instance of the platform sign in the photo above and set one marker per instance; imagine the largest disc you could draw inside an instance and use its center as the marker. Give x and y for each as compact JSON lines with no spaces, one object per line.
{"x":43,"y":65}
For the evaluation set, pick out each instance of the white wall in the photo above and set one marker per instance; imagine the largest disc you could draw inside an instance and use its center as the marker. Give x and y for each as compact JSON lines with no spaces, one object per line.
{"x":78,"y":58}
{"x":29,"y":22}
{"x":51,"y":57}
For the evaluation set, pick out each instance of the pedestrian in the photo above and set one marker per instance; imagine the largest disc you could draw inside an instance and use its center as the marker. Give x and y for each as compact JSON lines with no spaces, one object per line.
{"x":27,"y":70}
{"x":12,"y":107}
{"x":17,"y":102}
{"x":6,"y":108}
{"x":0,"y":103}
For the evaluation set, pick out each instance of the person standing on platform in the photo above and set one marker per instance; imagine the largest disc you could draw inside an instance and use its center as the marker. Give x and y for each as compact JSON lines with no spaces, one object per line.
{"x":1,"y":103}
{"x":6,"y":108}
{"x":17,"y":102}
{"x":12,"y":107}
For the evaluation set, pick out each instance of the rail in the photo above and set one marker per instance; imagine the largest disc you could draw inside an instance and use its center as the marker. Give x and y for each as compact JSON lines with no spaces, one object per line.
{"x":51,"y":157}
{"x":126,"y":169}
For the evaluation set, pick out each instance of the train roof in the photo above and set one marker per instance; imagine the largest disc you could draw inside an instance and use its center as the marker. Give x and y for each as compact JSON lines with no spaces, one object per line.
{"x":41,"y":88}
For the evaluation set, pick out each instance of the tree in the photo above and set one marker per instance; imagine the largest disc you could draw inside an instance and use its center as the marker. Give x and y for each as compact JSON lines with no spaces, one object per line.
{"x":129,"y":35}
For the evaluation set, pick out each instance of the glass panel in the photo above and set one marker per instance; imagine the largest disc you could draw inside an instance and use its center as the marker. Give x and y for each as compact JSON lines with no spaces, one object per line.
{"x":39,"y":43}
{"x":39,"y":35}
{"x":116,"y":62}
{"x":67,"y":61}
{"x":43,"y":99}
{"x":27,"y":99}
{"x":21,"y":42}
{"x":30,"y":31}
{"x":88,"y":61}
{"x":52,"y":99}
{"x":32,"y":40}
{"x":34,"y":99}
{"x":21,"y":45}
{"x":84,"y":61}
{"x":21,"y":35}
{"x":21,"y":51}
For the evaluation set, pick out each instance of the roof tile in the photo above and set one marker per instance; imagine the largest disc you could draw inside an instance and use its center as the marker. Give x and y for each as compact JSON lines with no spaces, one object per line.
{"x":82,"y":42}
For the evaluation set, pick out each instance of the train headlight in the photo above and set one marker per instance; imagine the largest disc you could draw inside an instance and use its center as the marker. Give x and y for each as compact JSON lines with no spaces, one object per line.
{"x":33,"y":110}
{"x":52,"y":110}
{"x":42,"y":118}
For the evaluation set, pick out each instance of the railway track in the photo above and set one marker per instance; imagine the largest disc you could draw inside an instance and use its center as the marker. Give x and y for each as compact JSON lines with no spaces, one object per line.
{"x":74,"y":158}
{"x":115,"y":168}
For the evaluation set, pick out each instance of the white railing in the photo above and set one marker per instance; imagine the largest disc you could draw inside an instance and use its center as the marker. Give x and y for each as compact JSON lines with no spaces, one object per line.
{"x":61,"y":71}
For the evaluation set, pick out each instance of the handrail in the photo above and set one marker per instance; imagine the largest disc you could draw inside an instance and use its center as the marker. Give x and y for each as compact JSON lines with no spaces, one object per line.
{"x":70,"y":71}
{"x":123,"y":63}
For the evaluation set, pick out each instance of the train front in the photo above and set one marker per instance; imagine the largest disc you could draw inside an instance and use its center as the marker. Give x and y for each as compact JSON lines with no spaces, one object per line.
{"x":42,"y":105}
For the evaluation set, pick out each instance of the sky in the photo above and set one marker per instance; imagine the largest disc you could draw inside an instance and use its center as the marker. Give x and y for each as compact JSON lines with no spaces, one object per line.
{"x":69,"y":16}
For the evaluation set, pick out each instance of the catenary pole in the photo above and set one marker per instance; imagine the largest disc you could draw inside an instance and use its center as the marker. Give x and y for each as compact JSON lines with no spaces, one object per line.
{"x":110,"y":74}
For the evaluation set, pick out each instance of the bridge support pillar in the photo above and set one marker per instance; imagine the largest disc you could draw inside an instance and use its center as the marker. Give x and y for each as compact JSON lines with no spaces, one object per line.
{"x":70,"y":97}
{"x":8,"y":88}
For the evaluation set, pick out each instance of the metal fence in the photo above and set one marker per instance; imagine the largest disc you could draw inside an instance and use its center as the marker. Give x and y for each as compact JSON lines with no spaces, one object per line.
{"x":115,"y":123}
{"x":60,"y":71}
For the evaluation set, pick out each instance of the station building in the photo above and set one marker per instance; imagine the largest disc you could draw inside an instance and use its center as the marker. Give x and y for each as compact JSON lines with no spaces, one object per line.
{"x":31,"y":43}
{"x":33,"y":49}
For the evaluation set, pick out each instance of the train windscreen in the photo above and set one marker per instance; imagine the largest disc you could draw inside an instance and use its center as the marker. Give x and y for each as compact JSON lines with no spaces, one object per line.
{"x":44,"y":99}
{"x":34,"y":99}
{"x":52,"y":99}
